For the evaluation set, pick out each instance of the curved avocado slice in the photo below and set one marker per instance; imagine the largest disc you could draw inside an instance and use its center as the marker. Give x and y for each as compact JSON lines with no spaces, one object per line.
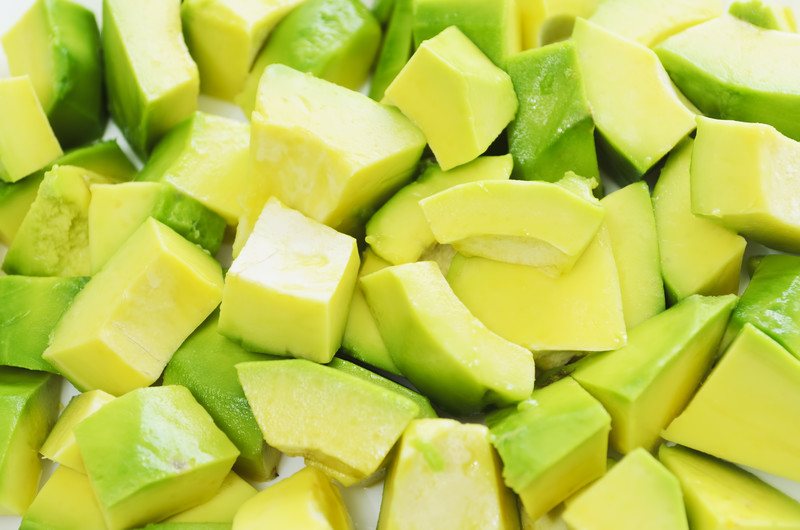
{"x":764,"y":14}
{"x":397,"y":47}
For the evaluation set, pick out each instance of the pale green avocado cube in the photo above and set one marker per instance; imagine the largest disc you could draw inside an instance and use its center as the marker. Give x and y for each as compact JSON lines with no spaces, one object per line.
{"x":548,"y":21}
{"x":223,"y":506}
{"x":65,"y":502}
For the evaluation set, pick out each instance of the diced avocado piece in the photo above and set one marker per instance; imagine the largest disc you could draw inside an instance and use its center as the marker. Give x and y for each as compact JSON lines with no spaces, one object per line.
{"x":455,"y":95}
{"x":117,"y":210}
{"x":637,"y":128}
{"x":466,"y":367}
{"x":646,"y":384}
{"x":206,"y":157}
{"x":308,"y":500}
{"x":188,"y":526}
{"x":744,"y":176}
{"x":764,"y":14}
{"x":335,"y":40}
{"x":493,"y":25}
{"x":399,"y":231}
{"x":65,"y":502}
{"x":29,"y":405}
{"x":104,"y":158}
{"x":30,"y":308}
{"x":551,"y":445}
{"x":152,"y":81}
{"x":631,"y":226}
{"x":342,"y":421}
{"x":152,"y":453}
{"x":27,"y":143}
{"x":60,"y":445}
{"x":698,"y":256}
{"x":547,"y":21}
{"x":553,"y":132}
{"x":57,"y":44}
{"x":15,"y":201}
{"x":124,"y":326}
{"x":222,"y":507}
{"x":536,"y":310}
{"x":649,"y":22}
{"x":746,"y":411}
{"x":398,"y":43}
{"x":358,"y":161}
{"x":288,"y":292}
{"x":205,"y":364}
{"x":733,"y":70}
{"x":606,"y":504}
{"x":53,"y":239}
{"x":720,"y":495}
{"x":534,"y":223}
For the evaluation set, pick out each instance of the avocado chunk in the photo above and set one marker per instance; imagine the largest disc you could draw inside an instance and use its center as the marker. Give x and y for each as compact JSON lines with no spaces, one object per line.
{"x":27,"y":143}
{"x":205,"y":364}
{"x":646,"y":384}
{"x":207,"y":158}
{"x":466,"y":367}
{"x":30,"y":308}
{"x":396,"y":50}
{"x":188,"y":526}
{"x":606,"y":504}
{"x":288,"y":292}
{"x":548,"y":21}
{"x":698,"y":256}
{"x":335,"y":40}
{"x":720,"y":495}
{"x":744,"y":176}
{"x":124,"y":326}
{"x":637,"y":128}
{"x":307,"y":500}
{"x":57,"y":44}
{"x":764,"y":14}
{"x":455,"y":95}
{"x":551,"y":445}
{"x":358,"y":162}
{"x":222,"y":507}
{"x":756,"y":428}
{"x":152,"y":80}
{"x":631,"y":226}
{"x":152,"y":453}
{"x":733,"y":70}
{"x":65,"y":502}
{"x":343,"y":422}
{"x":553,"y":132}
{"x":552,"y":520}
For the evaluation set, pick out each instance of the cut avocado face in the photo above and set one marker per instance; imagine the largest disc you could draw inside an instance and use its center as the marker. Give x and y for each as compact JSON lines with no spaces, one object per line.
{"x":551,"y":445}
{"x":756,"y":428}
{"x":65,"y":502}
{"x":467,"y":102}
{"x":648,"y":382}
{"x":396,"y":49}
{"x":764,"y":14}
{"x":222,"y":507}
{"x":57,"y":44}
{"x":548,"y":21}
{"x":605,"y":505}
{"x":460,"y":473}
{"x":152,"y":453}
{"x":133,"y":315}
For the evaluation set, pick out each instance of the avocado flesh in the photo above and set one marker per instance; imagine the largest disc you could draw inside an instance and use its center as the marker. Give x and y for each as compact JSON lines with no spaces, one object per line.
{"x":545,"y":22}
{"x":764,"y":14}
{"x":65,"y":502}
{"x":398,"y":42}
{"x":222,"y":507}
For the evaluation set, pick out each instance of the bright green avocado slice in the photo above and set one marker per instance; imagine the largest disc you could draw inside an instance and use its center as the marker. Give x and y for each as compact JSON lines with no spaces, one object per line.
{"x":764,"y":14}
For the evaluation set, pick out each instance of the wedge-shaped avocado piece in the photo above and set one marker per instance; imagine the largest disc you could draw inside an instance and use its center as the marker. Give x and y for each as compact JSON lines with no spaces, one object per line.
{"x":334,"y":40}
{"x":460,"y":473}
{"x":60,"y":445}
{"x":206,"y":157}
{"x":534,"y":309}
{"x":65,"y":502}
{"x":152,"y":81}
{"x":535,"y":223}
{"x":606,"y":504}
{"x":466,"y":367}
{"x":548,"y":21}
{"x":553,"y":132}
{"x":27,"y":143}
{"x":733,"y":70}
{"x":646,"y":384}
{"x":698,"y":256}
{"x":396,"y":49}
{"x":57,"y":44}
{"x":307,"y":500}
{"x":152,"y":453}
{"x":292,"y":270}
{"x":455,"y":95}
{"x":222,"y":507}
{"x":358,"y":161}
{"x":764,"y":14}
{"x":631,"y":226}
{"x":382,"y":10}
{"x":551,"y":445}
{"x":15,"y":201}
{"x":30,"y":308}
{"x":341,"y":421}
{"x":745,"y":176}
{"x":124,"y":326}
{"x":756,"y":428}
{"x":205,"y":364}
{"x":637,"y":128}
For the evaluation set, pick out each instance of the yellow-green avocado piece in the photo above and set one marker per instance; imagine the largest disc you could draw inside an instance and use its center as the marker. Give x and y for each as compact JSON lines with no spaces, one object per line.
{"x":223,"y":506}
{"x":766,"y":14}
{"x":548,"y":21}
{"x":65,"y":502}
